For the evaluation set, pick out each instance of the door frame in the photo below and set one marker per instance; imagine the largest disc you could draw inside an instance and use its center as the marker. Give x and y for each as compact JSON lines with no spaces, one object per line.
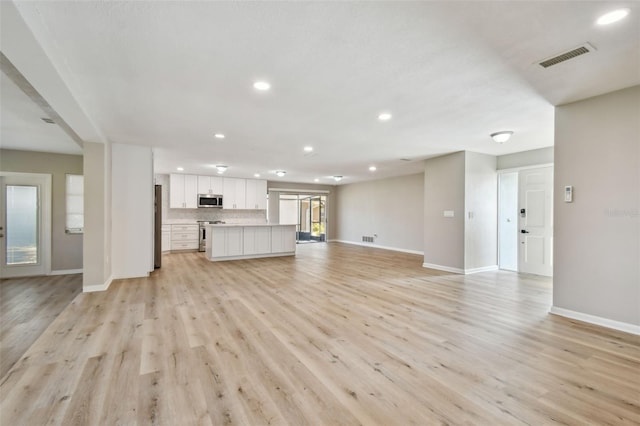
{"x":517,"y":170}
{"x":43,"y":180}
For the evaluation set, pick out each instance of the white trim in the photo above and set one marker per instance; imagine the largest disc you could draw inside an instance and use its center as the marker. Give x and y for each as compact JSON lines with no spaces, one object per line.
{"x":66,"y":272}
{"x":481,"y":269}
{"x":517,"y":169}
{"x":443,"y":268}
{"x":378,"y":246}
{"x":592,"y":319}
{"x":97,"y":287}
{"x":300,"y":191}
{"x":252,"y":256}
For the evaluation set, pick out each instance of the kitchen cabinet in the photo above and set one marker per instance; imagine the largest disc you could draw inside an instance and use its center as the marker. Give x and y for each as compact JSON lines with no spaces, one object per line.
{"x":230,"y":242}
{"x":226,"y":241}
{"x":233,"y":194}
{"x":183,"y":191}
{"x":166,"y":238}
{"x":257,"y":239}
{"x":184,"y":237}
{"x":210,"y":185}
{"x":283,"y":239}
{"x":256,"y":194}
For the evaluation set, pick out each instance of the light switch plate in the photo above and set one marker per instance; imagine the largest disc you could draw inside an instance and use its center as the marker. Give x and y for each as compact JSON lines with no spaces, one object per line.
{"x":448,"y":213}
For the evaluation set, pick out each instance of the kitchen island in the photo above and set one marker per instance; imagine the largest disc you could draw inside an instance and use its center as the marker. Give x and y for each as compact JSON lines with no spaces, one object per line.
{"x":248,"y":241}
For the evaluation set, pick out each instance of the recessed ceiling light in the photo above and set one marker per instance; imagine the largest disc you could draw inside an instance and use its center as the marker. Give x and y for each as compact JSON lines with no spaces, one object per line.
{"x":316,"y":180}
{"x":372,"y":168}
{"x":280,"y":173}
{"x":308,"y":148}
{"x":221,"y":168}
{"x":611,"y":17}
{"x":337,"y":178}
{"x":261,"y":85}
{"x":256,"y":175}
{"x":385,"y":116}
{"x":501,"y":137}
{"x":219,"y":136}
{"x":180,"y":169}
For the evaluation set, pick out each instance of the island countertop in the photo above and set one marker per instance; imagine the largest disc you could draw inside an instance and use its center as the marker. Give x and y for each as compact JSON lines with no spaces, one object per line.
{"x":229,"y":241}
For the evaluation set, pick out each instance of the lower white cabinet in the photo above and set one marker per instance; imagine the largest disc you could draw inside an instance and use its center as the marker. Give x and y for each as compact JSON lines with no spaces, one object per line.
{"x":283,"y":239}
{"x":166,"y":238}
{"x":257,"y":239}
{"x":226,"y":241}
{"x":246,"y":242}
{"x":184,"y":237}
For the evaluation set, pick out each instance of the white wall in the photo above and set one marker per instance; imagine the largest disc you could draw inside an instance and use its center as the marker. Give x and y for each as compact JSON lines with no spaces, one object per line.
{"x":97,"y":217}
{"x":526,"y":158}
{"x":444,"y":185}
{"x":597,"y":237}
{"x":132,"y":214}
{"x":481,"y":218}
{"x":391,"y":208}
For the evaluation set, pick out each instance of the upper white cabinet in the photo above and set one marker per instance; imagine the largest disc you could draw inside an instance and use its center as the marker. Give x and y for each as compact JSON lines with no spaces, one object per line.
{"x":256,"y":194}
{"x":234,"y":193}
{"x":210,"y":185}
{"x":183,"y":191}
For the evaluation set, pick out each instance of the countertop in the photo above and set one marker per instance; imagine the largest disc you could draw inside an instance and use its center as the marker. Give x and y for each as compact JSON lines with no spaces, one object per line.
{"x":242,"y":225}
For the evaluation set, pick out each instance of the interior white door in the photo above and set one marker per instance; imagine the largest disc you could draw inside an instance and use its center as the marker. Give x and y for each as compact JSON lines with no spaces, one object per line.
{"x":25,"y":233}
{"x":508,"y":221}
{"x":535,"y":200}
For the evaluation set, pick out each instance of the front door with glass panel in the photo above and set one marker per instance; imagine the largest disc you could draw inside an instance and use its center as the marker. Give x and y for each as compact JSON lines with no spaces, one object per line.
{"x":23,"y":251}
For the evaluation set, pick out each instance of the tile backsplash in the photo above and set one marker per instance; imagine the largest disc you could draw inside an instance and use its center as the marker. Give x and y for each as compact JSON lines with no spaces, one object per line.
{"x":187,"y":215}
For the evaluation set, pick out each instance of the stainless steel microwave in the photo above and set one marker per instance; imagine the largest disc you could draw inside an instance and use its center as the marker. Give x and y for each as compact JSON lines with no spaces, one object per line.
{"x":210,"y":200}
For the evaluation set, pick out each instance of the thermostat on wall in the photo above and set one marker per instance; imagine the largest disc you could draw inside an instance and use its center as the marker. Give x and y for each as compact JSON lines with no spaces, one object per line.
{"x":568,"y":194}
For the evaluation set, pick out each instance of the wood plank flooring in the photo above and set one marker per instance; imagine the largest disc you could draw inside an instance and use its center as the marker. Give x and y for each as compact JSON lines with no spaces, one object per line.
{"x":27,"y":307}
{"x":338,"y":335}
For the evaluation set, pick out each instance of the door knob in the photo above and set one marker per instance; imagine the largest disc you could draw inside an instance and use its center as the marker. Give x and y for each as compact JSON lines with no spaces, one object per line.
{"x":524,"y":231}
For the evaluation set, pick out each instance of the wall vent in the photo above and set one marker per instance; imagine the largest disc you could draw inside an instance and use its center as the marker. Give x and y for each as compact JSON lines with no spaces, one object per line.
{"x":565,"y":56}
{"x":47,"y":120}
{"x":366,"y":239}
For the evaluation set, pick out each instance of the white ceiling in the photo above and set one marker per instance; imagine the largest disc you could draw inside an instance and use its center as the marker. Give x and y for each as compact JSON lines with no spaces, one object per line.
{"x":171,"y":74}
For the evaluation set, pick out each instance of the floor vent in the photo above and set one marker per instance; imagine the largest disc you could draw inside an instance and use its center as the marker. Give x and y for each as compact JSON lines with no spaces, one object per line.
{"x":578,"y":51}
{"x":367,"y":239}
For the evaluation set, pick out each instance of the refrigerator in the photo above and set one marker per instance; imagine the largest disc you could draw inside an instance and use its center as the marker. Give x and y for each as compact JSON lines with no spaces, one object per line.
{"x":157,"y":227}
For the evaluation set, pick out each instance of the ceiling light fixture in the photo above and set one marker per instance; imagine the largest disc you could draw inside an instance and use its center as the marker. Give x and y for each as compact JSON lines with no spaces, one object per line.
{"x":221,"y":168}
{"x":280,"y":173}
{"x":308,"y":148}
{"x":180,"y":169}
{"x":385,"y":116}
{"x":611,"y":17}
{"x":256,"y":175}
{"x":219,"y":136}
{"x":316,"y":180}
{"x":261,"y":85}
{"x":337,"y":178}
{"x":372,"y":168}
{"x":501,"y":137}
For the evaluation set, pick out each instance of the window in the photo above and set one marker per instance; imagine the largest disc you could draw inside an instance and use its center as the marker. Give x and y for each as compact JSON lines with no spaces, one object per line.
{"x":75,"y":204}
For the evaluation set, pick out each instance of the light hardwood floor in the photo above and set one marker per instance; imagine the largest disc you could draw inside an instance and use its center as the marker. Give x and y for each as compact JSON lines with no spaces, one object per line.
{"x":337,"y":335}
{"x":27,"y":307}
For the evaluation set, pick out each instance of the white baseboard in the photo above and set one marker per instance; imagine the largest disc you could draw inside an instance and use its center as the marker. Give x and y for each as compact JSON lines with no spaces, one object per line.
{"x":66,"y":272}
{"x":592,"y":319}
{"x":482,"y":269}
{"x":355,"y":243}
{"x":97,"y":287}
{"x":443,"y":268}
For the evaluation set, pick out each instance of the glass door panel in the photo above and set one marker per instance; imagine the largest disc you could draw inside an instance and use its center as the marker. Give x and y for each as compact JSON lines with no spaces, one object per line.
{"x":22,"y":225}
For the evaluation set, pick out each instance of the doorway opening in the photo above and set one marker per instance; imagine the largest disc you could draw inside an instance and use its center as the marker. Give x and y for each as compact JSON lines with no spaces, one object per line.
{"x":308,"y":213}
{"x":525,"y":220}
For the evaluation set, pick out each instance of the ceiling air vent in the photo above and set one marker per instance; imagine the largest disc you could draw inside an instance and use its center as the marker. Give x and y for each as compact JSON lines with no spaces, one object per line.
{"x":47,"y":120}
{"x":580,"y":50}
